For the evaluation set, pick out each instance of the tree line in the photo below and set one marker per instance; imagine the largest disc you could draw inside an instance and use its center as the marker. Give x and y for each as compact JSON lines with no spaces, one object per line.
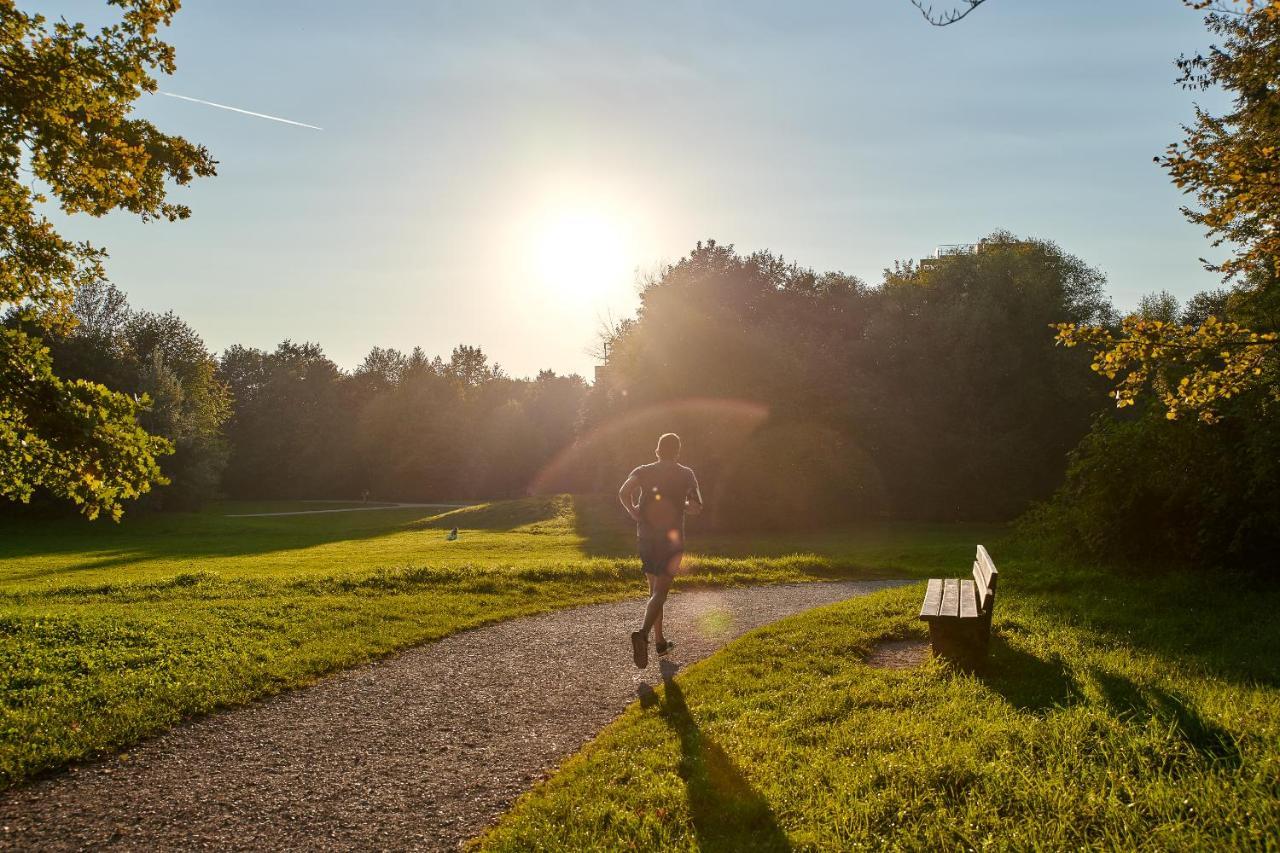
{"x":289,"y":423}
{"x":803,"y":398}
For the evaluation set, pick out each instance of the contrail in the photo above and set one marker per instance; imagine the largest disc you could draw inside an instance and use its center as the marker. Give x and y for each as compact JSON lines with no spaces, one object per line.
{"x":238,"y":110}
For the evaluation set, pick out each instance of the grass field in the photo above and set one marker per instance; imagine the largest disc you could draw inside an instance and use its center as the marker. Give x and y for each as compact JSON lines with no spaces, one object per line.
{"x":1117,"y":712}
{"x":110,"y":633}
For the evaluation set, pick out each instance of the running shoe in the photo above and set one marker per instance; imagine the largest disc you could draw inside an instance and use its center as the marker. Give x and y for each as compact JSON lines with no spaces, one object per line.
{"x":640,"y":649}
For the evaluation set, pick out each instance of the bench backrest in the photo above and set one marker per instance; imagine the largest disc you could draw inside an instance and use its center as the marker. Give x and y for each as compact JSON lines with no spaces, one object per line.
{"x":984,"y":578}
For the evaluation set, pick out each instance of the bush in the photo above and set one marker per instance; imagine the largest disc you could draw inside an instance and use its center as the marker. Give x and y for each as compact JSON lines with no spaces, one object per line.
{"x":1154,"y":492}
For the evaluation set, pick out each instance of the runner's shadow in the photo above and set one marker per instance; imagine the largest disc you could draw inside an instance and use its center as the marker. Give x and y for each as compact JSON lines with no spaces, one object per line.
{"x":728,"y":814}
{"x":1176,"y":714}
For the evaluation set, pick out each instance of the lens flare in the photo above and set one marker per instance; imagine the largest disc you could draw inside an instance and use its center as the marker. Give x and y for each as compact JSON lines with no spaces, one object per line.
{"x":732,"y":420}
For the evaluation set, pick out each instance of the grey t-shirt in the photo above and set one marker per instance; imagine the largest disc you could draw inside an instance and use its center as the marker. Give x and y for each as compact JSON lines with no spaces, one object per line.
{"x":664,"y":488}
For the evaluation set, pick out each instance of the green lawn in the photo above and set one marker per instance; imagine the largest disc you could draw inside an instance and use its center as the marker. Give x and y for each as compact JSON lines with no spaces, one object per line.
{"x":110,"y":633}
{"x":1116,"y":712}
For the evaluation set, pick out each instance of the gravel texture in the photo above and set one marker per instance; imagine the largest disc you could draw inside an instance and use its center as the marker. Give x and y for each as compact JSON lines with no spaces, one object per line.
{"x":421,"y":750}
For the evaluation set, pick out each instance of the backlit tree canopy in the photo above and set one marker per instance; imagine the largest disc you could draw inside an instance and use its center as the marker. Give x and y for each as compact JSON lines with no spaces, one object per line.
{"x":66,"y":97}
{"x":1230,"y":163}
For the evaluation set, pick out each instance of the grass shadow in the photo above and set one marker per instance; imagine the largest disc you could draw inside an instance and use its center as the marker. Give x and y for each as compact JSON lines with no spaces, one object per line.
{"x":167,"y":536}
{"x":1129,"y":701}
{"x":602,"y":526}
{"x":1027,"y":682}
{"x":179,"y":536}
{"x":728,"y":813}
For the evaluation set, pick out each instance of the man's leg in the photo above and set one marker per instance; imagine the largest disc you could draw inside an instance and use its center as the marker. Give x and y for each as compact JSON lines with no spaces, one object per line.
{"x":658,"y":639}
{"x":659,"y":585}
{"x":657,"y":626}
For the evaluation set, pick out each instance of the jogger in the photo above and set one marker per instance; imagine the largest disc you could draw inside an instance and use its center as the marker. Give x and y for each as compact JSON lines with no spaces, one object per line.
{"x":658,"y":496}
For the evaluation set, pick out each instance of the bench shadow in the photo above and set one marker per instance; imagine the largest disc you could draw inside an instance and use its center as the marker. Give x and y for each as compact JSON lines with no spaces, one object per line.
{"x":728,"y":813}
{"x":1029,"y":683}
{"x":1128,"y":701}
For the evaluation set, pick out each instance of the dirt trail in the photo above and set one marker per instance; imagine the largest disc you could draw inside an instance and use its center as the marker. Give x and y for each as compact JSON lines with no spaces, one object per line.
{"x":418,"y":751}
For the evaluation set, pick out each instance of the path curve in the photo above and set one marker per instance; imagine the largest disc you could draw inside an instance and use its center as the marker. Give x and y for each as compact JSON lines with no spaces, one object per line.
{"x":421,"y":750}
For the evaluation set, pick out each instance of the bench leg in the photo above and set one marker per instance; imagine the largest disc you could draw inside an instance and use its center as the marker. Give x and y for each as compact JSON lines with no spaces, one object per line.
{"x":962,"y":644}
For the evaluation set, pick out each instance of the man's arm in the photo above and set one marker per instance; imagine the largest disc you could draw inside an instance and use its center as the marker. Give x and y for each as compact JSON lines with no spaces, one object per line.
{"x":693,"y":500}
{"x":626,"y":495}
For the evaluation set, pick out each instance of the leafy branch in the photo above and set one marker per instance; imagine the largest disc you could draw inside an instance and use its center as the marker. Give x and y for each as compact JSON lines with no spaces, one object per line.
{"x":948,"y":17}
{"x":1193,"y":369}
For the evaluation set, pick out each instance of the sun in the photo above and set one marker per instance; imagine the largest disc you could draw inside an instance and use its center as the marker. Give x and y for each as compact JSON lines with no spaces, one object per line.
{"x":582,"y":252}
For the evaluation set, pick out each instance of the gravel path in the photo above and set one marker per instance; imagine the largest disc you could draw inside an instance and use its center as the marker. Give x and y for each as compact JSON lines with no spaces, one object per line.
{"x":418,"y":751}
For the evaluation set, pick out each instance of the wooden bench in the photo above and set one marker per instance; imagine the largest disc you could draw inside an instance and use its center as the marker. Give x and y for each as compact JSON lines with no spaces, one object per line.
{"x":959,"y":613}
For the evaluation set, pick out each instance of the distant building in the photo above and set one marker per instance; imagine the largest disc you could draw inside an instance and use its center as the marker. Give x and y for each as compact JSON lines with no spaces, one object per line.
{"x":951,"y":250}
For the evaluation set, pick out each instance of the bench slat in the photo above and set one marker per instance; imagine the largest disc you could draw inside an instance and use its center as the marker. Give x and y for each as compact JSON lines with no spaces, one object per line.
{"x":968,"y":603}
{"x":988,"y":567}
{"x":950,"y":598}
{"x":980,"y":571}
{"x":980,"y":588}
{"x":932,"y":599}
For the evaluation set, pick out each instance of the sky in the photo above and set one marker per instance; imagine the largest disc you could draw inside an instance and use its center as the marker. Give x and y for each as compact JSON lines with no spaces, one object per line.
{"x":501,"y":174}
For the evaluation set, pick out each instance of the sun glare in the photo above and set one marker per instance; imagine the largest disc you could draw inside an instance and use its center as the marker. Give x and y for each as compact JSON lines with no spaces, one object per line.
{"x":582,"y":252}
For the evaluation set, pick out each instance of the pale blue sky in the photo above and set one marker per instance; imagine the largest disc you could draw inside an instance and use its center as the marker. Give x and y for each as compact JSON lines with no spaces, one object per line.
{"x":465,"y":143}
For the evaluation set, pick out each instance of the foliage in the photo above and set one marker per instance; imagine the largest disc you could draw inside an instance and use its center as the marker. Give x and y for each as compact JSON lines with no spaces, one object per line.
{"x":1231,"y":163}
{"x":1212,"y":362}
{"x":108,"y":636}
{"x":898,"y":399}
{"x":1148,"y":488}
{"x":973,"y":410}
{"x":162,"y":358}
{"x":1144,"y":491}
{"x":66,"y":94}
{"x":73,"y":438}
{"x":400,"y":427}
{"x":289,"y":429}
{"x":1112,"y":715}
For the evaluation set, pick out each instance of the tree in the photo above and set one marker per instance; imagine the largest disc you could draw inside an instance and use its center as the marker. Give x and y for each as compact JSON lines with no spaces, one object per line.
{"x":1231,"y":164}
{"x":65,"y":99}
{"x":960,"y":386}
{"x":381,"y":369}
{"x":470,"y":366}
{"x":160,"y":356}
{"x":171,"y":365}
{"x":807,"y":398}
{"x":291,"y":428}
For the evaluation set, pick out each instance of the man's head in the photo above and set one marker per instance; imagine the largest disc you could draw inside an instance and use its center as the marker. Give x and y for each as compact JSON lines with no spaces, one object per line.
{"x":669,"y":447}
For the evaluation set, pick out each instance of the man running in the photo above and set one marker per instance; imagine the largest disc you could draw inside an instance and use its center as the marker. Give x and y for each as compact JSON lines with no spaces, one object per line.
{"x":657,"y":496}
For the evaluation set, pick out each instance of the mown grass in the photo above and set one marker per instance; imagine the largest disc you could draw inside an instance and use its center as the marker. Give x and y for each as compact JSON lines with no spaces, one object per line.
{"x":1116,"y":712}
{"x":109,"y":634}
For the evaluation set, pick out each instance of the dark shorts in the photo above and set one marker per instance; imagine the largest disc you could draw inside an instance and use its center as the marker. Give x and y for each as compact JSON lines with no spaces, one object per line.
{"x":659,"y":553}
